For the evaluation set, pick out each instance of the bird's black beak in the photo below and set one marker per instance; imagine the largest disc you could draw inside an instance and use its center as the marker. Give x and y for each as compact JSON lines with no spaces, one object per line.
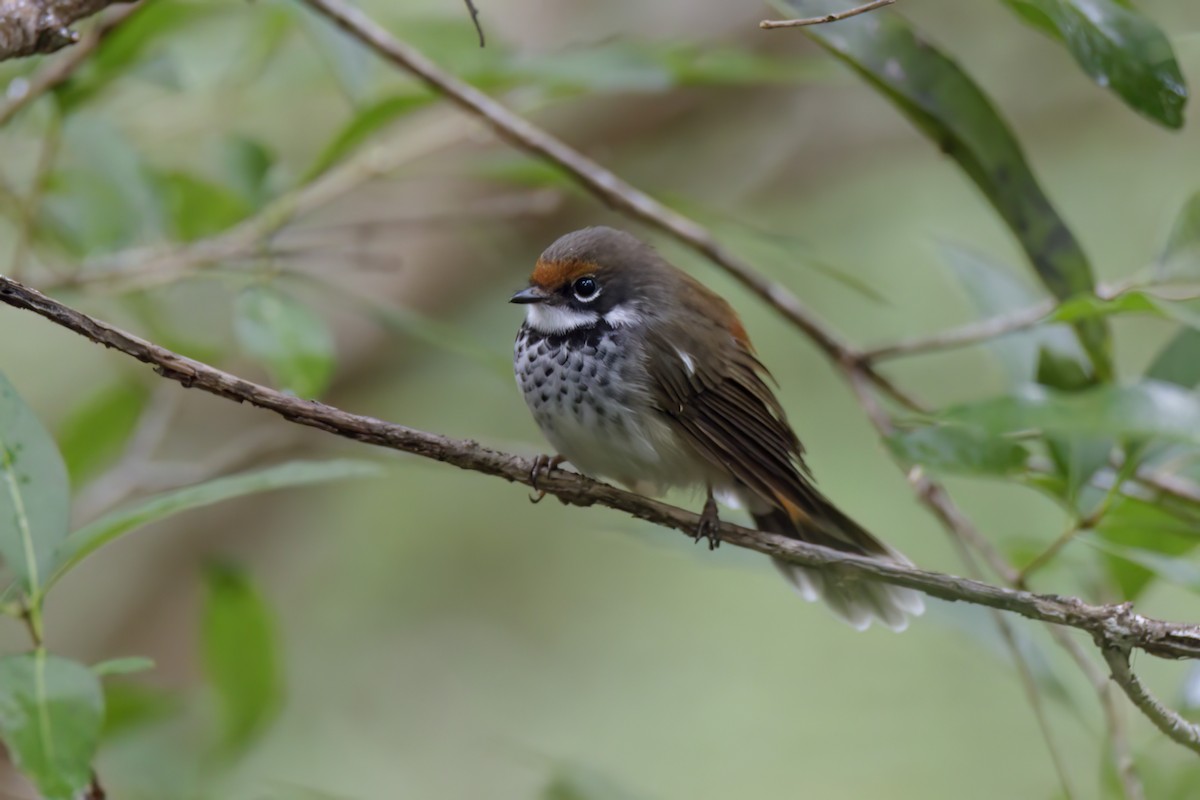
{"x":527,"y":296}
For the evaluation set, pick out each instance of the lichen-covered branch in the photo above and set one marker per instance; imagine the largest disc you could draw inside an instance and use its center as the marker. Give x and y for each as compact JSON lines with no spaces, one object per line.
{"x":1117,"y":626}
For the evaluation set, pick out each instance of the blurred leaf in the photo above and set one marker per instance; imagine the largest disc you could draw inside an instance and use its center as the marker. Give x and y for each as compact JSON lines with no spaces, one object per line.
{"x":197,"y":208}
{"x":349,"y":61}
{"x":1179,"y":360}
{"x":89,"y":538}
{"x":946,"y":105}
{"x":35,"y":497}
{"x":1119,"y":48}
{"x":574,"y":782}
{"x":1077,"y":460}
{"x":959,"y":449}
{"x":1171,"y":567}
{"x":248,"y":163}
{"x":526,"y":172}
{"x":130,"y":44}
{"x":289,"y":339}
{"x":96,"y":430}
{"x":123,"y":666}
{"x":128,"y":706}
{"x":1089,"y":305}
{"x":1140,"y":525}
{"x":240,"y":655}
{"x":51,"y":710}
{"x":1148,"y":409}
{"x":101,"y":198}
{"x":994,"y":290}
{"x":1181,"y":256}
{"x":363,"y":124}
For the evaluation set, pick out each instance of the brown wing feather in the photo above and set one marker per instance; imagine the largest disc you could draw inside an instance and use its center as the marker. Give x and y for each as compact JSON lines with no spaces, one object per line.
{"x":725,"y":408}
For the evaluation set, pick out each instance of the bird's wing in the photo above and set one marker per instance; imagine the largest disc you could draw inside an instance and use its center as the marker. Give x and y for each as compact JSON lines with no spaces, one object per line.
{"x":724,"y":407}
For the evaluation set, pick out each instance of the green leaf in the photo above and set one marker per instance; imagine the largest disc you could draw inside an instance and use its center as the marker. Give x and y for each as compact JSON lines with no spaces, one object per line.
{"x":35,"y":497}
{"x":240,"y":655}
{"x":576,"y":782}
{"x":994,"y":290}
{"x":51,"y":711}
{"x":363,"y":124}
{"x":1179,"y":360}
{"x":123,"y":666}
{"x":90,"y":538}
{"x":1181,"y":256}
{"x":1119,"y":48}
{"x":248,"y":162}
{"x":1145,"y":410}
{"x":129,"y":45}
{"x":1171,"y":566}
{"x":286,"y":337}
{"x":96,"y":430}
{"x":1089,"y":306}
{"x":959,"y":449}
{"x":949,"y":108}
{"x":128,"y":706}
{"x":199,"y":208}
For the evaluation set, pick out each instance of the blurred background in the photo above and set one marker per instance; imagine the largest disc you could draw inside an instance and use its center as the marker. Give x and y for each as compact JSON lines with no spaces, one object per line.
{"x":435,"y":634}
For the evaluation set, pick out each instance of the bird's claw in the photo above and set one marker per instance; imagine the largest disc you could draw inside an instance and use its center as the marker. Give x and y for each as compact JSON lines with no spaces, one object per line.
{"x":542,"y":465}
{"x":709,"y":526}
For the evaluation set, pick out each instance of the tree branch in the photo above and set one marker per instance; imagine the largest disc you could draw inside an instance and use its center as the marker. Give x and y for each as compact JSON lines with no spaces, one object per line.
{"x":42,"y":26}
{"x":969,"y":334}
{"x":1166,"y":720}
{"x":772,"y":24}
{"x":1117,"y":625}
{"x":599,"y":181}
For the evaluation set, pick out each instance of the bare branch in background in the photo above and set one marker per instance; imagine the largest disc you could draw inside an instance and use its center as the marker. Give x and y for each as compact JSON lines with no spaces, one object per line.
{"x":969,"y":334}
{"x":19,"y":95}
{"x":1113,"y":624}
{"x":474,"y":12}
{"x":28,"y":27}
{"x":771,"y":24}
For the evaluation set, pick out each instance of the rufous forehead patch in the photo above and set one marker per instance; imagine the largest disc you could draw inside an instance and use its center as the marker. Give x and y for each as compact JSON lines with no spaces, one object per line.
{"x":553,"y":274}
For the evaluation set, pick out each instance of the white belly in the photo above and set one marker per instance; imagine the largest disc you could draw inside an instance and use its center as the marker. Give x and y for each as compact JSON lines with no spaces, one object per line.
{"x":581,"y":396}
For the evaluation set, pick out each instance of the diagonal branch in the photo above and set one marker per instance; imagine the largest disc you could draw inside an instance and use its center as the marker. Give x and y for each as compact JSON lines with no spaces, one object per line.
{"x":601,"y":182}
{"x":1114,"y":625}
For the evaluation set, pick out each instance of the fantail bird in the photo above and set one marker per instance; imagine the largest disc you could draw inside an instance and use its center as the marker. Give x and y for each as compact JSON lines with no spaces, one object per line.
{"x":637,"y":372}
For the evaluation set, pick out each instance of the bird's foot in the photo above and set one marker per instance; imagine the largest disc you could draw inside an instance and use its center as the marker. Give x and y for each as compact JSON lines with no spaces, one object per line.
{"x":542,"y":465}
{"x":709,"y":526}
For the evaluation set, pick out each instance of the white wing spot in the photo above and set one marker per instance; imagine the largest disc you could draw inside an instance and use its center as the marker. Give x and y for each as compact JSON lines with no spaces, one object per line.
{"x":688,"y":362}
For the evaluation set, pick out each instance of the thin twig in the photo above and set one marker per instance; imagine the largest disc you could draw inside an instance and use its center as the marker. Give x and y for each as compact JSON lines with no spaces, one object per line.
{"x":602,"y":183}
{"x":1166,"y":720}
{"x":474,"y":12}
{"x":772,"y":24}
{"x":1105,"y":623}
{"x":58,"y":71}
{"x":972,"y":333}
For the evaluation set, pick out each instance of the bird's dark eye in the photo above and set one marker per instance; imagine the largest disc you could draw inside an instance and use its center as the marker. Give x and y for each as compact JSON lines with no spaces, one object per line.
{"x":585,"y":288}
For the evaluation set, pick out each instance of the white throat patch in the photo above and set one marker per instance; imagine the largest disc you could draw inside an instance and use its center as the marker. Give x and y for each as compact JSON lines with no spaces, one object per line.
{"x":550,"y":319}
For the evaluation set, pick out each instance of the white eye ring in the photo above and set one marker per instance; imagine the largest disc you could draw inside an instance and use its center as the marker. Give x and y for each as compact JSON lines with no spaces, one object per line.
{"x":586,"y":282}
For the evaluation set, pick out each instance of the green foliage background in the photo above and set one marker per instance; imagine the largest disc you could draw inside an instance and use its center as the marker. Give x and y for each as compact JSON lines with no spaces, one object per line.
{"x":427,"y":633}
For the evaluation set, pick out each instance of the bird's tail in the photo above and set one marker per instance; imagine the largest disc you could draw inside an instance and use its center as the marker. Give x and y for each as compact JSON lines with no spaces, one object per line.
{"x":858,"y":601}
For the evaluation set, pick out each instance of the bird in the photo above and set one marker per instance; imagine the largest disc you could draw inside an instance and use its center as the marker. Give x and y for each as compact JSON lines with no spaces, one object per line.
{"x":636,"y":372}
